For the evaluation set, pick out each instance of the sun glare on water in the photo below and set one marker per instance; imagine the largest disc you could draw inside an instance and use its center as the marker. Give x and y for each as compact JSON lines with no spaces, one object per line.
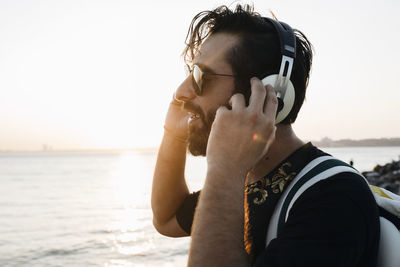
{"x":131,"y":180}
{"x":131,"y":219}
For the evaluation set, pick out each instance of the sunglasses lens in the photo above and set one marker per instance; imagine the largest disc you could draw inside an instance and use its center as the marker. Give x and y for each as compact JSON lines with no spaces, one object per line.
{"x":197,"y":79}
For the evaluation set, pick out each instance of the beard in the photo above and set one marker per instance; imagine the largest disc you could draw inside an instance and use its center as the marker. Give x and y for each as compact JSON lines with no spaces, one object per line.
{"x":198,"y":135}
{"x":198,"y":138}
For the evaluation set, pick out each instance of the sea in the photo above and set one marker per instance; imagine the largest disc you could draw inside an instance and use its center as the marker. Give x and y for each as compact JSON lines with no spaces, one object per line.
{"x":93,"y":208}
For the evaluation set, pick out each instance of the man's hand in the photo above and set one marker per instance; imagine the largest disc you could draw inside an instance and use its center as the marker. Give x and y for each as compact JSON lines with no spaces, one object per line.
{"x":238,"y":139}
{"x":169,"y":186}
{"x":176,"y":121}
{"x":241,"y":136}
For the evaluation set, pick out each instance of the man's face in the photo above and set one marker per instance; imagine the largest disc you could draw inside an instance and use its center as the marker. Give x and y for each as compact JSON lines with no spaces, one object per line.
{"x":216,"y":90}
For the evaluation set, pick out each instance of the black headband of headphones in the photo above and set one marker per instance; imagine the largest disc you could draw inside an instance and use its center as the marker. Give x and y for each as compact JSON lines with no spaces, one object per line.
{"x":286,"y":37}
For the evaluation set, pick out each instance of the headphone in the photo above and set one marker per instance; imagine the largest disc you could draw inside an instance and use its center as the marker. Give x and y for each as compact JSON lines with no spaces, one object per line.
{"x":284,"y":88}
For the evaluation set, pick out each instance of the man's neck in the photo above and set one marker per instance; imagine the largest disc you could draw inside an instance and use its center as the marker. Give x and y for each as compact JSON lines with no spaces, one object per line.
{"x":286,"y":142}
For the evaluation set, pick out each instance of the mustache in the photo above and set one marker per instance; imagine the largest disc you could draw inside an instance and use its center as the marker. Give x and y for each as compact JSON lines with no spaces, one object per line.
{"x":190,"y":107}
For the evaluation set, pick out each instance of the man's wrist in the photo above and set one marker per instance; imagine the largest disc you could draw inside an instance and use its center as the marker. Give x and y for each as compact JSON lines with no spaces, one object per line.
{"x":221,"y":172}
{"x":169,"y":132}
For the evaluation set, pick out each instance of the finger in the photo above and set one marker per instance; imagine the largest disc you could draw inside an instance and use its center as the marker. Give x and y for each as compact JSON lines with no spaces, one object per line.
{"x":177,"y":102}
{"x":271,"y":103}
{"x":237,"y":102}
{"x":219,"y":112}
{"x":258,"y":94}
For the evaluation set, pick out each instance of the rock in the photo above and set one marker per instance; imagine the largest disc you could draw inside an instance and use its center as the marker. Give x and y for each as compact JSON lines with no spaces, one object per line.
{"x":372,"y":177}
{"x":386,"y":176}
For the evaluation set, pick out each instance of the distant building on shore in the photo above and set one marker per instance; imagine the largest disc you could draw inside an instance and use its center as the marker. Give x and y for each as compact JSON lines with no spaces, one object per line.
{"x":327,"y":142}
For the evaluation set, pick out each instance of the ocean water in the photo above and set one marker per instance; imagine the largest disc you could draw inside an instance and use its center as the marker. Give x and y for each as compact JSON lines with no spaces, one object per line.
{"x":93,"y":208}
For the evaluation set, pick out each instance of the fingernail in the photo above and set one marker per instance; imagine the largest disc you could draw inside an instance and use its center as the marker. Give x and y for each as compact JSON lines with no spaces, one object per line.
{"x":253,"y":79}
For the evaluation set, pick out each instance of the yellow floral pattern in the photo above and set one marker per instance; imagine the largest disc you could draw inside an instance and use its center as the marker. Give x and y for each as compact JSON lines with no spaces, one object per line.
{"x":277,"y":183}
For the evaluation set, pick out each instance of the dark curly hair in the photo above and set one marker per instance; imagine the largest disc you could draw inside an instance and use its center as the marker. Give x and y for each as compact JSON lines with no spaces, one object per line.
{"x":257,"y":52}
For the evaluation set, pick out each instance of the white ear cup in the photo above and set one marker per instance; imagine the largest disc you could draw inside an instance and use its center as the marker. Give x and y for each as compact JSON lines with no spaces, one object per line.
{"x":288,"y":100}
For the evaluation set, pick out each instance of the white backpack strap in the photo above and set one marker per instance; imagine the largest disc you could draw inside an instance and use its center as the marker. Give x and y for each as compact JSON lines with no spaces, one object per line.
{"x":389,"y":242}
{"x":387,"y":200}
{"x":317,"y":170}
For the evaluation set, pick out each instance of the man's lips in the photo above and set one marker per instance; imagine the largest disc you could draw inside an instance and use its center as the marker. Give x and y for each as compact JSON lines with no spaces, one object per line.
{"x":193,"y":111}
{"x":193,"y":116}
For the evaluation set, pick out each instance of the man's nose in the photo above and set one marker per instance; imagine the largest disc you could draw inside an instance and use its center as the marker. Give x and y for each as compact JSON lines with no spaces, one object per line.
{"x":185,"y":91}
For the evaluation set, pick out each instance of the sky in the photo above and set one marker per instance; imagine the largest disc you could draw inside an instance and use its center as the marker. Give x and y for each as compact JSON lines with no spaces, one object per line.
{"x":86,"y":74}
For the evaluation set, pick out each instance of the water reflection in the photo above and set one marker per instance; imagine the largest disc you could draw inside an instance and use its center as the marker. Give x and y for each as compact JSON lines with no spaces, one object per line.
{"x":131,"y":220}
{"x":130,"y":178}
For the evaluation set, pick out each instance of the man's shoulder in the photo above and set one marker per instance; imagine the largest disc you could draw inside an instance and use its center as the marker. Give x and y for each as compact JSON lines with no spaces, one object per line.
{"x":347,"y":188}
{"x":333,"y":223}
{"x":344,"y":183}
{"x":341,"y":183}
{"x":304,"y":155}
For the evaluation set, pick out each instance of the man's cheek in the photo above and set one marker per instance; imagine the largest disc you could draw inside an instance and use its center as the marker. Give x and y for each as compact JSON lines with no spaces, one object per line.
{"x":210,"y":118}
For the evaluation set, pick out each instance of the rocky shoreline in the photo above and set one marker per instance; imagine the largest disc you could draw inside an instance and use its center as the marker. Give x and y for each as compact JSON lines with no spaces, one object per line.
{"x":386,"y":176}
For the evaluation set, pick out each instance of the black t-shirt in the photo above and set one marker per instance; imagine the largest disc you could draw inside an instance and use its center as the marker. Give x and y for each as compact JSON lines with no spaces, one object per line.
{"x":333,"y":223}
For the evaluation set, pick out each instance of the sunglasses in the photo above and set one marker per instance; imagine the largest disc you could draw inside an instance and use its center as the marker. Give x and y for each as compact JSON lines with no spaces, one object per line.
{"x":197,"y":77}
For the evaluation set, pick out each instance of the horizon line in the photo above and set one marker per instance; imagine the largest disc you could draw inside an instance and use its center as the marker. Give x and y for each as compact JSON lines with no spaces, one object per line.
{"x":154,"y":148}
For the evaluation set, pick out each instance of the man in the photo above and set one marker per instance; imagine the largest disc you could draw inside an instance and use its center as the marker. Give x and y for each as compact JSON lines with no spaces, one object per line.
{"x":223,"y":111}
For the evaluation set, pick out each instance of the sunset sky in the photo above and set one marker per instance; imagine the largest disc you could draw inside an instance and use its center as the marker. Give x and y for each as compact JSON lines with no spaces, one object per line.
{"x":82,"y":74}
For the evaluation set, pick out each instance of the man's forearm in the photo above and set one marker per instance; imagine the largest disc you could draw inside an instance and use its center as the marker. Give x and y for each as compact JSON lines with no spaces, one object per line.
{"x":169,"y":186}
{"x":217,"y":233}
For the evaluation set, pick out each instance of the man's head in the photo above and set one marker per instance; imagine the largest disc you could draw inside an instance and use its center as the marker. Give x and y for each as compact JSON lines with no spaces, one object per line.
{"x":239,"y":43}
